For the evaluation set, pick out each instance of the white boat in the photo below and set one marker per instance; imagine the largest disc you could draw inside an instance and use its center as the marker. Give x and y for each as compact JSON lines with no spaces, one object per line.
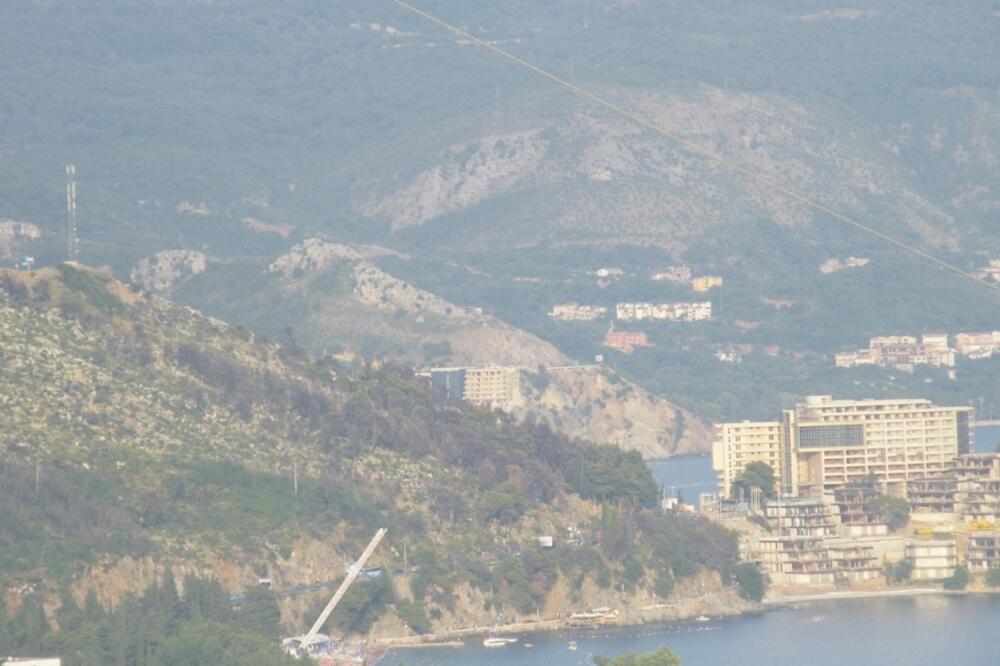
{"x":702,"y":618}
{"x":571,"y":646}
{"x":498,"y":642}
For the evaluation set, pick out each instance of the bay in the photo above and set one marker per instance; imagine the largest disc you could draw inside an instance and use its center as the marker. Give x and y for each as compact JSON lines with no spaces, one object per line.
{"x":916,"y":631}
{"x":985,"y":439}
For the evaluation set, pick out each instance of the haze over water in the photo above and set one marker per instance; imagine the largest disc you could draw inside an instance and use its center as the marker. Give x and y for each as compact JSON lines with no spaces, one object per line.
{"x":921,"y":631}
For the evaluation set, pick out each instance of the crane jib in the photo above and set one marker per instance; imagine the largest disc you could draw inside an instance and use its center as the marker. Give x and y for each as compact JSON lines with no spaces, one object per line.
{"x":352,"y":573}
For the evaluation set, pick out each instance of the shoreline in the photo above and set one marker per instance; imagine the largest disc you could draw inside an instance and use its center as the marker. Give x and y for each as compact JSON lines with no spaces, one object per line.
{"x":454,"y":637}
{"x":785,"y":600}
{"x":790,"y":599}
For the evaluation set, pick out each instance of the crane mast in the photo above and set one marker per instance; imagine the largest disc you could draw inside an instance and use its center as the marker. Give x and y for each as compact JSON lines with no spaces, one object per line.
{"x":352,"y":573}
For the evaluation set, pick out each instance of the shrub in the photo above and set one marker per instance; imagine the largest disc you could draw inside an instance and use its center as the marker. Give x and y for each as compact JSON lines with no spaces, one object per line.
{"x":898,"y":572}
{"x":751,"y":581}
{"x":958,"y":580}
{"x":414,"y":615}
{"x":662,"y":657}
{"x":893,"y":510}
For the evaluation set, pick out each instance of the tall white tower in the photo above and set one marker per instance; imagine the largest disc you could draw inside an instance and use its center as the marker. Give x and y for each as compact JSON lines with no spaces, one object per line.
{"x":72,"y":242}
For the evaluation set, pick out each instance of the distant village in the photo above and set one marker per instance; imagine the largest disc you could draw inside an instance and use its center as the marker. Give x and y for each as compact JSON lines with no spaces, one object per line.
{"x":628,"y":341}
{"x":906,"y":351}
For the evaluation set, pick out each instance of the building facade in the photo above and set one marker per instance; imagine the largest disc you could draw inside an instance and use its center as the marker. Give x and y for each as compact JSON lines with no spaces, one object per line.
{"x":901,"y":351}
{"x":737,"y":445}
{"x":699,"y":311}
{"x":490,"y":386}
{"x":824,"y":443}
{"x":626,"y":341}
{"x":706,"y":283}
{"x":984,"y":551}
{"x":576,"y":312}
{"x":932,"y":559}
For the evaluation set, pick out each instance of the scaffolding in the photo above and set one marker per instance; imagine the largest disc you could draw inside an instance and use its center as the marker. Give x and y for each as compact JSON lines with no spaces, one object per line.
{"x":798,"y":516}
{"x":934,"y":495}
{"x":983,"y":552}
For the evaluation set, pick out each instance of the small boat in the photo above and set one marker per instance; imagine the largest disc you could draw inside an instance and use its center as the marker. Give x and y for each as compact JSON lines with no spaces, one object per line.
{"x":571,"y":646}
{"x":702,"y":618}
{"x":498,"y":642}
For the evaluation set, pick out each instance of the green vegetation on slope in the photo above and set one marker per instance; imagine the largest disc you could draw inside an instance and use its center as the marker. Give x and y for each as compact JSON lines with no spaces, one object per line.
{"x":662,"y":657}
{"x":157,"y":628}
{"x":134,"y":427}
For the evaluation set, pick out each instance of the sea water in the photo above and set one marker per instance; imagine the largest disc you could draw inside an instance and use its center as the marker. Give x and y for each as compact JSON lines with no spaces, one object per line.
{"x":912,"y":631}
{"x":917,"y":631}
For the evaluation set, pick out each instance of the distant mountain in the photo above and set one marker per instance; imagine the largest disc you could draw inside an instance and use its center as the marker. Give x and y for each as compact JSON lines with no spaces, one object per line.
{"x":554,"y":174}
{"x":238,"y":131}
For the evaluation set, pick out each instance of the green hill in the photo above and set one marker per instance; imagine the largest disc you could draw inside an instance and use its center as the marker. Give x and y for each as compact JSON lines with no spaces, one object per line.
{"x":140,"y":437}
{"x":238,"y":130}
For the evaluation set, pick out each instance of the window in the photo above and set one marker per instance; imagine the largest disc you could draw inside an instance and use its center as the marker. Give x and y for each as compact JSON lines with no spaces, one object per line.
{"x":824,"y":436}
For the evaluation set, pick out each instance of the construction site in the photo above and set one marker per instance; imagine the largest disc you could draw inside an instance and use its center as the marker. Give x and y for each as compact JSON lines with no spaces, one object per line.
{"x":841,"y":539}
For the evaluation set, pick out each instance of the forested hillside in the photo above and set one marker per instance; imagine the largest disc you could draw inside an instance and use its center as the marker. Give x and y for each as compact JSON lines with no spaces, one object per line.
{"x":237,"y":130}
{"x":140,"y":437}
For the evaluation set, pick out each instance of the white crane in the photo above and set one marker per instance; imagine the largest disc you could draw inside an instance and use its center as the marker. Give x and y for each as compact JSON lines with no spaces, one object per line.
{"x":313,"y":642}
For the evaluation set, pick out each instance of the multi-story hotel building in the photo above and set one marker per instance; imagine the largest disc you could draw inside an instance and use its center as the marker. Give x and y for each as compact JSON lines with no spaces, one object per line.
{"x":491,"y":386}
{"x":737,"y":445}
{"x":823,"y":443}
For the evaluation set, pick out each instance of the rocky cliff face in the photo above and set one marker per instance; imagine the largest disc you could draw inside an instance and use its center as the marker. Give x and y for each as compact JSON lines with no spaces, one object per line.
{"x":412,"y":324}
{"x":14,"y":235}
{"x":371,"y":312}
{"x":466,"y":175}
{"x":592,"y":403}
{"x":588,"y":176}
{"x":162,"y":270}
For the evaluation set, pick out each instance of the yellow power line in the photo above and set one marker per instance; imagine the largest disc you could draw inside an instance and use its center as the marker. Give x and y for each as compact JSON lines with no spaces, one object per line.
{"x":642,"y":122}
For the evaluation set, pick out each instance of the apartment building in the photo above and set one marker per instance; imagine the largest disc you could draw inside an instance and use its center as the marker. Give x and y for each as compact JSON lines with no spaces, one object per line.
{"x":932,"y":559}
{"x":801,"y":516}
{"x":675,"y":274}
{"x":576,"y":312}
{"x":811,"y":560}
{"x":490,"y":386}
{"x":901,"y":351}
{"x":626,"y":341}
{"x":823,"y":443}
{"x":855,"y":519}
{"x":978,"y":345}
{"x":983,"y":552}
{"x":795,"y":560}
{"x":981,"y":502}
{"x":706,"y":283}
{"x":933,"y":495}
{"x":698,"y":311}
{"x":737,"y":445}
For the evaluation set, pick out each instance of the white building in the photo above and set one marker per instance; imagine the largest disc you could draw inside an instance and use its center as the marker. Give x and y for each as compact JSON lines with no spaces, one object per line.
{"x":932,"y":559}
{"x":825,"y":443}
{"x":576,"y":312}
{"x":698,"y":311}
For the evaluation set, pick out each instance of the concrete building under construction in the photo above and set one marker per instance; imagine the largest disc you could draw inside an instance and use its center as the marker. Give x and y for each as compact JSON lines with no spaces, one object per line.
{"x":983,"y":552}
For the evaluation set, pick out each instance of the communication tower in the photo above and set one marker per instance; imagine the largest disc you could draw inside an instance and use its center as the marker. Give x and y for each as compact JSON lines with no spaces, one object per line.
{"x":72,"y":242}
